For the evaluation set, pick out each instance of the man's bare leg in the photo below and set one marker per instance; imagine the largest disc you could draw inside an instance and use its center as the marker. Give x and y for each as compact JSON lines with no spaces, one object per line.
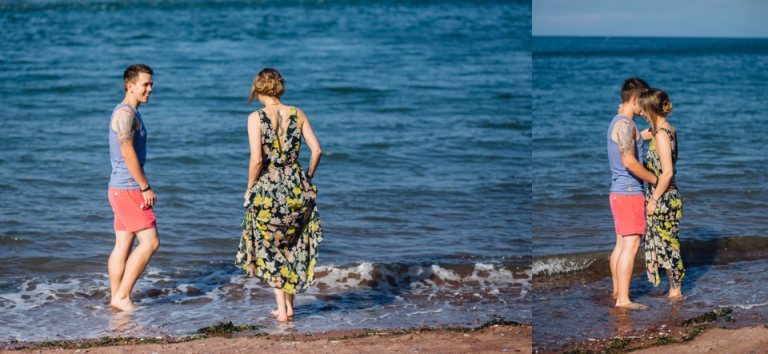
{"x":281,"y":315}
{"x":615,"y":260}
{"x":116,"y":265}
{"x":626,"y":262}
{"x":137,"y":262}
{"x":675,"y":289}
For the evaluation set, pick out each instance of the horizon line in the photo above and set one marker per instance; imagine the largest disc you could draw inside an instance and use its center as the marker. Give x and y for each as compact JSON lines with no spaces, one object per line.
{"x":643,"y":36}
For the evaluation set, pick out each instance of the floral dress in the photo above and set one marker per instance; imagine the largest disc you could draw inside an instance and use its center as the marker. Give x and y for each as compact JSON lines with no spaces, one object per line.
{"x":662,"y":235}
{"x":281,"y":228}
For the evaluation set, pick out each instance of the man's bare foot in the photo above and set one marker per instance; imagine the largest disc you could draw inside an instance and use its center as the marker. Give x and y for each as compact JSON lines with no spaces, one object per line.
{"x":632,"y":306}
{"x":124,"y":304}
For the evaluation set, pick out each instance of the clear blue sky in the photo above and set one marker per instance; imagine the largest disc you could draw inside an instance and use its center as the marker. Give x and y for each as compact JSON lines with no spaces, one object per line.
{"x":651,"y":18}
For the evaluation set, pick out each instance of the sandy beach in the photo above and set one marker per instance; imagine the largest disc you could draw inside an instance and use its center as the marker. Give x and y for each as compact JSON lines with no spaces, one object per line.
{"x":492,"y":339}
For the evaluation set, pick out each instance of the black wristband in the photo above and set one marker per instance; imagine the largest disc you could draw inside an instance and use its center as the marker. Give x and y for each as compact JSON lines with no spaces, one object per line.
{"x":146,"y":189}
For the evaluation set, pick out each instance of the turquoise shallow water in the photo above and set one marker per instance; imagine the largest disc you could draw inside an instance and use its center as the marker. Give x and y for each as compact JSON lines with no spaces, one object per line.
{"x":423,"y":110}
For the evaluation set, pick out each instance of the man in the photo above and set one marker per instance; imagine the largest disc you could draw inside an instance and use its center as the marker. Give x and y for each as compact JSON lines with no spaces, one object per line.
{"x":625,"y":147}
{"x":130,"y":194}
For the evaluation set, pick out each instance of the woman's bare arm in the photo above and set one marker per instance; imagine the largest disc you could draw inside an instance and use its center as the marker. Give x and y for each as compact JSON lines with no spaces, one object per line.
{"x":664,"y":148}
{"x":312,"y":142}
{"x":254,"y":141}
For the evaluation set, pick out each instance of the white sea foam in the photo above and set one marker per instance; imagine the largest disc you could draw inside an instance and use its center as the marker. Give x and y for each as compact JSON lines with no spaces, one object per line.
{"x":348,"y":296}
{"x":419,"y":278}
{"x":552,"y":266}
{"x":747,"y":306}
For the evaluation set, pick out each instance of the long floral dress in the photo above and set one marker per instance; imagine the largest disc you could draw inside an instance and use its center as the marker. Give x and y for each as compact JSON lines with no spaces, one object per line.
{"x":281,"y":228}
{"x":662,"y":235}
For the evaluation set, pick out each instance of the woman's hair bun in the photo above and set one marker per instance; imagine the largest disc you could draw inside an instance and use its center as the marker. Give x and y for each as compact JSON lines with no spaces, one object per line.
{"x":666,"y":106}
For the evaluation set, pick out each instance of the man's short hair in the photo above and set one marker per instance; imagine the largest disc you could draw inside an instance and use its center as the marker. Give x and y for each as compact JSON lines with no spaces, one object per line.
{"x":131,"y":73}
{"x":633,"y":87}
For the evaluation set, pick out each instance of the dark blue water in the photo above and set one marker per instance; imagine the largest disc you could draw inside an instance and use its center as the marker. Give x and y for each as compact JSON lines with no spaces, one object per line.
{"x":716,"y":87}
{"x":422,"y":108}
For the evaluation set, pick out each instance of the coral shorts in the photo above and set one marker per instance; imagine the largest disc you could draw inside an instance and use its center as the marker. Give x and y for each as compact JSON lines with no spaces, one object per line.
{"x":130,"y":212}
{"x":628,"y":213}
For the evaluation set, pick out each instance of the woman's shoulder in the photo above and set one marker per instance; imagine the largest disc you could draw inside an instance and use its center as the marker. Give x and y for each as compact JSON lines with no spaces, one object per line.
{"x":256,"y":116}
{"x":257,"y":113}
{"x":294,"y":108}
{"x":669,"y":129}
{"x":299,"y":112}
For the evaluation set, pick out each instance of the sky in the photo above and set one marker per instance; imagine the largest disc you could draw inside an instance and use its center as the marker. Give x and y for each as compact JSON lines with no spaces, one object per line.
{"x":651,"y":18}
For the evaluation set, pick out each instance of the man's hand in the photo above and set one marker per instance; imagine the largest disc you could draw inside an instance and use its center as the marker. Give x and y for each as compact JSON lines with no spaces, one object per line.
{"x":149,"y":198}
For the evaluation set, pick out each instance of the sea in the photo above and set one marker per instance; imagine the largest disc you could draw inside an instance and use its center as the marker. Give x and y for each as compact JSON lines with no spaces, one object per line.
{"x":716,"y":87}
{"x":423,"y":110}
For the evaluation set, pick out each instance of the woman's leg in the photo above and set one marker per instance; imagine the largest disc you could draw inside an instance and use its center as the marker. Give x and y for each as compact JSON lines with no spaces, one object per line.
{"x":675,"y":288}
{"x":281,"y":314}
{"x":289,"y":304}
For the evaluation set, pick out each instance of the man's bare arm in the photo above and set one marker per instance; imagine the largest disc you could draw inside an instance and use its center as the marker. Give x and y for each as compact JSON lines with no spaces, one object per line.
{"x":125,"y":123}
{"x":627,"y":136}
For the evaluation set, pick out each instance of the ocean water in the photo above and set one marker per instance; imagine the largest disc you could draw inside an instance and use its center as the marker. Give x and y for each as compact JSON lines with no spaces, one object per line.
{"x":423,"y":110}
{"x":715,"y":86}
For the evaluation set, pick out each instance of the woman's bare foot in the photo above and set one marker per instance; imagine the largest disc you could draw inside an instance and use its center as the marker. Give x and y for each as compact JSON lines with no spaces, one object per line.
{"x":124,"y":304}
{"x":632,"y":306}
{"x":678,"y":295}
{"x":276,"y":313}
{"x":280,"y":317}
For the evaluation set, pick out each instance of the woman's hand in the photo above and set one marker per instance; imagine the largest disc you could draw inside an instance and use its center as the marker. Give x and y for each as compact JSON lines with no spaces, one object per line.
{"x":247,"y":191}
{"x":651,"y":206}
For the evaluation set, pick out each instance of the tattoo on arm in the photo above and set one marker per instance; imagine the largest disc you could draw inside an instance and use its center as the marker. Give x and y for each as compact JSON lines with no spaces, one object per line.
{"x":626,"y":140}
{"x":674,"y":285}
{"x":125,"y":121}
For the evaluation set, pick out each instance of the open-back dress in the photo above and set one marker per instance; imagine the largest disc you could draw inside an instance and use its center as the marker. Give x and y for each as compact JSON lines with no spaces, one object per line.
{"x":281,"y":228}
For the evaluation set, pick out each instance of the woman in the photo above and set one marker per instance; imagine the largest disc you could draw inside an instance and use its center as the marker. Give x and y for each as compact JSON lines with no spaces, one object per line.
{"x":664,"y":205}
{"x":281,"y":229}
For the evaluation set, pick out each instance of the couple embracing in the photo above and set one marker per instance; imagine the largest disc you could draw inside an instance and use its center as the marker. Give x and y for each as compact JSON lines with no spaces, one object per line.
{"x":651,"y":215}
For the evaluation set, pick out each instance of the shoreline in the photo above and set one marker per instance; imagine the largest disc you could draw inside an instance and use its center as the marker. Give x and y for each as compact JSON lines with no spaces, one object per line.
{"x":713,"y":331}
{"x":493,"y":336}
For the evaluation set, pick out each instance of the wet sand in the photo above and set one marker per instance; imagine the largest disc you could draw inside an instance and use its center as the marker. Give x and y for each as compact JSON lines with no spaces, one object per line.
{"x":577,"y":308}
{"x":751,"y":340}
{"x":720,"y":335}
{"x":492,"y":339}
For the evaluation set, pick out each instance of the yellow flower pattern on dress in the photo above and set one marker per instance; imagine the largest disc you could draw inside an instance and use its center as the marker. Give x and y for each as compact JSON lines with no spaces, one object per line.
{"x":662,"y":235}
{"x":281,"y":227}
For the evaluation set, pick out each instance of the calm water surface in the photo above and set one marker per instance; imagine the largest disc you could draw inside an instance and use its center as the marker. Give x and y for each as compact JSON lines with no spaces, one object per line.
{"x":721,"y":171}
{"x":423,"y":111}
